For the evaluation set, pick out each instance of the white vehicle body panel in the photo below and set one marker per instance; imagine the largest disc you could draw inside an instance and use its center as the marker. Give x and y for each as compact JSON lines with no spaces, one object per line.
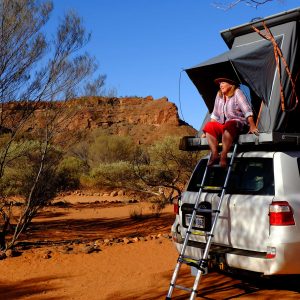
{"x":243,"y":224}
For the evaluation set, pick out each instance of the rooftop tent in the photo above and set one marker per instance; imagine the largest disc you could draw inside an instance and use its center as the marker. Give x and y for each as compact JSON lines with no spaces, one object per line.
{"x":243,"y":64}
{"x":251,"y":61}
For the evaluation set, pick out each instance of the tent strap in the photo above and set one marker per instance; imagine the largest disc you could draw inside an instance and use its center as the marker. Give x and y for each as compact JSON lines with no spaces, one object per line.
{"x":278,"y":58}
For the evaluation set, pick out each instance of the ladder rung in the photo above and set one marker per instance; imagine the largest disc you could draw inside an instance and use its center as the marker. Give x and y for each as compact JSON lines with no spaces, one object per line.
{"x":190,"y":257}
{"x":204,"y":210}
{"x":188,"y":260}
{"x":213,"y":188}
{"x":215,"y":166}
{"x":183,"y":288}
{"x":201,"y":233}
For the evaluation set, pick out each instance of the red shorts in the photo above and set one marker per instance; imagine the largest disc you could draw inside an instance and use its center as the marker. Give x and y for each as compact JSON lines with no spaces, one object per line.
{"x":216,"y":129}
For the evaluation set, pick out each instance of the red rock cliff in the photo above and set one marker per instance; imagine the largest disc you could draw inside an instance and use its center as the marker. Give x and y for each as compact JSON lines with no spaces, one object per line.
{"x":144,"y":119}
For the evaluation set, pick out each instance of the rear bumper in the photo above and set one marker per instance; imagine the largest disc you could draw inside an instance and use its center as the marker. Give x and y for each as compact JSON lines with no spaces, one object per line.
{"x":285,"y":262}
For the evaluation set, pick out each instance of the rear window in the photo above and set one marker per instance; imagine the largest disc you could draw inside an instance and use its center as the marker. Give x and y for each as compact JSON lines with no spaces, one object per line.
{"x":248,"y":176}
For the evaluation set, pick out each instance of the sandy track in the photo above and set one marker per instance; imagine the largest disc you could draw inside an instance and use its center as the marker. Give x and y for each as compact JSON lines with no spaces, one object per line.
{"x":139,"y":270}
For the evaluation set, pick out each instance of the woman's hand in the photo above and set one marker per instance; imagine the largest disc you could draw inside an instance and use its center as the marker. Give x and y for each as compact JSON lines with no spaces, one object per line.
{"x":252,"y":127}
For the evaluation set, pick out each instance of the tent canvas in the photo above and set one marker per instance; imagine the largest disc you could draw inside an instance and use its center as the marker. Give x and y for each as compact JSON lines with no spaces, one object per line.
{"x":251,"y":62}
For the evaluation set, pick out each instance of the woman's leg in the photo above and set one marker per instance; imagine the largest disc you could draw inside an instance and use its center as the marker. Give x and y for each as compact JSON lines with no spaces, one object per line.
{"x":213,"y":131}
{"x":213,"y":145}
{"x":227,"y":140}
{"x":230,"y":133}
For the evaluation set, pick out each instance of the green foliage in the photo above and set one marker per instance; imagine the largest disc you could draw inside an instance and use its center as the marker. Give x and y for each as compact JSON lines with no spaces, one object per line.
{"x":102,"y":161}
{"x":23,"y":164}
{"x":16,"y":169}
{"x":69,"y":171}
{"x":160,"y":170}
{"x":101,"y":148}
{"x":116,"y":174}
{"x":170,"y":162}
{"x":109,"y":149}
{"x":164,"y":165}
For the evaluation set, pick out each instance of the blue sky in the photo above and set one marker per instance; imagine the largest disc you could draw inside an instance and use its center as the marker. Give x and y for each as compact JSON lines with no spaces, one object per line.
{"x":143,"y":45}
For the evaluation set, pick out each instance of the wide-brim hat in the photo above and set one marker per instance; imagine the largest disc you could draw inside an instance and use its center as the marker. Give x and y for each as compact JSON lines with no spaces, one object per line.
{"x":223,"y":79}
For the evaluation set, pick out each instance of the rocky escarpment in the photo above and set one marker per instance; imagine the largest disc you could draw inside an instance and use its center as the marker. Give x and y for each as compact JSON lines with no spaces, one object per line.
{"x":104,"y":112}
{"x":143,"y":119}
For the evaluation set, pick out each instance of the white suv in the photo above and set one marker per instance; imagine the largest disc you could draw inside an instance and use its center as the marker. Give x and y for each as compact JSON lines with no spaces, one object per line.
{"x":258,"y":228}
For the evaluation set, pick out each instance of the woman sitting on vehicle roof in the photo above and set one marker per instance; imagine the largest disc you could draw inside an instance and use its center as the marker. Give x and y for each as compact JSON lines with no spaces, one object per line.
{"x":231,"y":115}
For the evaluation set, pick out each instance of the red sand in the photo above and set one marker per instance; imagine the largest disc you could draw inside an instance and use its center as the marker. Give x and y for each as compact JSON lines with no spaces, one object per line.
{"x":140,"y":270}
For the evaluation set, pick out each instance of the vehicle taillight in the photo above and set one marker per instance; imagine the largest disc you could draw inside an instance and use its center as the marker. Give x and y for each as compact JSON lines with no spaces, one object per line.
{"x":281,"y":214}
{"x":176,"y":208}
{"x":271,"y":252}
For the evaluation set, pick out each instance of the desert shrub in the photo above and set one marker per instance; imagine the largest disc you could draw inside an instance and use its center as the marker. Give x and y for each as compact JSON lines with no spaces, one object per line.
{"x":10,"y":182}
{"x":164,"y":168}
{"x":172,"y":163}
{"x":136,"y":213}
{"x":116,"y":174}
{"x":109,"y":149}
{"x":69,"y":171}
{"x":23,"y":169}
{"x":58,"y":173}
{"x":23,"y":160}
{"x":101,"y":148}
{"x":160,"y":170}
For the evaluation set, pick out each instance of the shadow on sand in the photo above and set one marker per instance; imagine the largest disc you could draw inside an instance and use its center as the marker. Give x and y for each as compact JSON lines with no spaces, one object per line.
{"x":99,"y":228}
{"x":221,"y":286}
{"x":30,"y":287}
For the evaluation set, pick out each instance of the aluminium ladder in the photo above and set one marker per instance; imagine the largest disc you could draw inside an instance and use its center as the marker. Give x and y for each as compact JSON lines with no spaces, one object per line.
{"x":202,"y":263}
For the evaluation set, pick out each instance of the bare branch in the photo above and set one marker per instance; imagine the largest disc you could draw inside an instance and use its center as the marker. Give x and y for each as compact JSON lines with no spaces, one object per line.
{"x":232,"y":4}
{"x":34,"y":70}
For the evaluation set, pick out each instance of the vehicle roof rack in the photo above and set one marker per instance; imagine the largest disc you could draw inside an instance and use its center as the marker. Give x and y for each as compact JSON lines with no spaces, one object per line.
{"x":230,"y":34}
{"x":263,"y":141}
